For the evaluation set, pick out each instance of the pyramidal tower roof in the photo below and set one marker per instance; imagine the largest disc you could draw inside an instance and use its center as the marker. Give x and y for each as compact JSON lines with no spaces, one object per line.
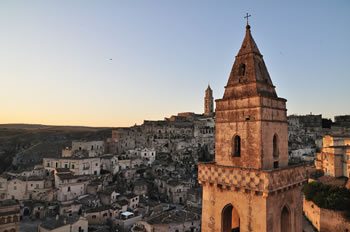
{"x":249,"y":76}
{"x":248,"y":45}
{"x":208,"y":89}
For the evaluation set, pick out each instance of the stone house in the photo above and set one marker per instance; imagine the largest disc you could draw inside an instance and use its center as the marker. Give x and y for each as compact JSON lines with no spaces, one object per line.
{"x":126,"y":220}
{"x":177,"y":191}
{"x":173,"y":220}
{"x":121,"y":204}
{"x":69,"y":186}
{"x":38,"y":171}
{"x":94,"y":148}
{"x":16,"y":188}
{"x":149,"y":155}
{"x":73,"y":223}
{"x":9,"y":215}
{"x":110,"y":163}
{"x":68,"y":208}
{"x":132,"y":199}
{"x":334,"y":159}
{"x":98,"y":215}
{"x":78,"y":165}
{"x":24,"y":188}
{"x":108,"y":196}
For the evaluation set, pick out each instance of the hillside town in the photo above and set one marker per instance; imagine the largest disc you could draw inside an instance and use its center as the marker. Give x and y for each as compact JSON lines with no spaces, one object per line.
{"x":141,"y":177}
{"x":241,"y":165}
{"x":144,"y":177}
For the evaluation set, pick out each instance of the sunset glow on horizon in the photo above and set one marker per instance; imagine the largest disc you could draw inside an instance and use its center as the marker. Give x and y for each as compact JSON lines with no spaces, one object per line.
{"x":117,"y":63}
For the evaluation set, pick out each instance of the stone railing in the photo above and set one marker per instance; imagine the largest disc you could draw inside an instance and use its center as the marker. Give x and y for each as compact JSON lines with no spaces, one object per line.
{"x":264,"y":181}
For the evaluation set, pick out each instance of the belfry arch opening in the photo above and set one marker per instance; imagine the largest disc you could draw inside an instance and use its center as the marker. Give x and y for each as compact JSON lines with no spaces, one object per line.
{"x":236,"y":146}
{"x":230,"y":219}
{"x":285,"y":220}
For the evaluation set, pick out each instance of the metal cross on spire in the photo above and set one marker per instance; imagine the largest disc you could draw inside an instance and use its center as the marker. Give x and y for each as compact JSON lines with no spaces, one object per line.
{"x":247,"y":17}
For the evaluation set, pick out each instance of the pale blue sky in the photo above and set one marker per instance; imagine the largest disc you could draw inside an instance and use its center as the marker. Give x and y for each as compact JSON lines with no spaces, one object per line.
{"x":55,"y":65}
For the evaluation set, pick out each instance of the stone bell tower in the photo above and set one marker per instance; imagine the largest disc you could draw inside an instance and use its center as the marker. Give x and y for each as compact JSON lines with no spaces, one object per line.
{"x":250,"y":187}
{"x":208,"y":102}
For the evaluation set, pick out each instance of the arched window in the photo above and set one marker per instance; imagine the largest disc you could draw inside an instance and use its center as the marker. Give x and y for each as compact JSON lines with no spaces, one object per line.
{"x":285,"y":220}
{"x":230,"y":221}
{"x":241,"y":70}
{"x":236,"y":146}
{"x":275,"y":146}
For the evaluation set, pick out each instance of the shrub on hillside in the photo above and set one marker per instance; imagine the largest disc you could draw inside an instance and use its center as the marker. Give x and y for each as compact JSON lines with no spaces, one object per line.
{"x":327,"y":196}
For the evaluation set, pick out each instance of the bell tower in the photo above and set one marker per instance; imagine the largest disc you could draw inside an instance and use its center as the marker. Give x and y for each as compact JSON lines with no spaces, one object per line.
{"x":249,"y":186}
{"x":208,"y":102}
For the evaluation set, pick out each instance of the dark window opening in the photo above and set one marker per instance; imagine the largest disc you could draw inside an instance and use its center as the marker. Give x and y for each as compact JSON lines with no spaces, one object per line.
{"x":236,"y":149}
{"x":230,"y":221}
{"x":241,"y":70}
{"x":275,"y":146}
{"x":275,"y":164}
{"x":285,"y":220}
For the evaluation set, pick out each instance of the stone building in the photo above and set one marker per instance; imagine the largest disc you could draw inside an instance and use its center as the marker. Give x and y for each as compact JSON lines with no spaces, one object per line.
{"x":9,"y":216}
{"x":208,"y":102}
{"x":25,"y":188}
{"x":126,"y":220}
{"x":98,"y":215}
{"x":173,"y":220}
{"x":109,"y":163}
{"x":149,"y":155}
{"x":249,"y":186}
{"x":95,"y":148}
{"x":73,"y":223}
{"x":334,"y":159}
{"x":342,"y":121}
{"x":69,"y":186}
{"x":78,"y":165}
{"x":308,"y":120}
{"x":91,"y":148}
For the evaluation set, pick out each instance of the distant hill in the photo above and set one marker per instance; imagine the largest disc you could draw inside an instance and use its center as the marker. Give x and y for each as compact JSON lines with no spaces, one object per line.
{"x":32,"y":142}
{"x":23,"y":126}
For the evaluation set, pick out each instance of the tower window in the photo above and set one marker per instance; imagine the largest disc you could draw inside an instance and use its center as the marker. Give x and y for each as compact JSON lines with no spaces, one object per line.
{"x":236,"y":146}
{"x":241,"y":70}
{"x":275,"y":146}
